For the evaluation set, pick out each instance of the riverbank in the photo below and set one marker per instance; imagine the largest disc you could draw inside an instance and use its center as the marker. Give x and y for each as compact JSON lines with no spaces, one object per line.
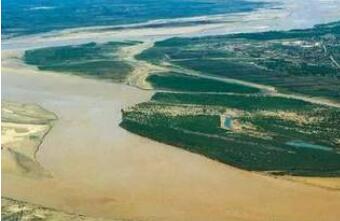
{"x":98,"y":169}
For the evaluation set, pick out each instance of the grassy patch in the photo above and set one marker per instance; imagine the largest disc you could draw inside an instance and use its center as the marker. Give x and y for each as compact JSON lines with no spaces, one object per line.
{"x":180,"y":82}
{"x":243,"y":102}
{"x":92,"y":60}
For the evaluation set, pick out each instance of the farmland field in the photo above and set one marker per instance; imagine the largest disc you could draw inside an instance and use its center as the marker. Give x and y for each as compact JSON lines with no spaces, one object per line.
{"x":298,"y":61}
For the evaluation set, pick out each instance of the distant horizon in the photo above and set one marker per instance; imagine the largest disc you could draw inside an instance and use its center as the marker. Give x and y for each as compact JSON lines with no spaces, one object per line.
{"x":23,"y":17}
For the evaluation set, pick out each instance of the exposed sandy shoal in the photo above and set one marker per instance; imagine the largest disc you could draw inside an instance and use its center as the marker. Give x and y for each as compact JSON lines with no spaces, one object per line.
{"x":19,"y":210}
{"x":23,"y":127}
{"x":102,"y":170}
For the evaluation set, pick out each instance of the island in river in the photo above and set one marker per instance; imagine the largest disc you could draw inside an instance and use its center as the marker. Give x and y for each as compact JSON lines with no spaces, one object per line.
{"x":96,"y":168}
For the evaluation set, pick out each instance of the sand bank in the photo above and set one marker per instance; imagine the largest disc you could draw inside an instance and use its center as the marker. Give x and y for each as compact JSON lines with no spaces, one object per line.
{"x":23,"y":127}
{"x":19,"y":210}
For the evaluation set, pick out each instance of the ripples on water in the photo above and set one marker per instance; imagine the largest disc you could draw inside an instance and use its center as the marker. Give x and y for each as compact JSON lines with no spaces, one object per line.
{"x":22,"y":17}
